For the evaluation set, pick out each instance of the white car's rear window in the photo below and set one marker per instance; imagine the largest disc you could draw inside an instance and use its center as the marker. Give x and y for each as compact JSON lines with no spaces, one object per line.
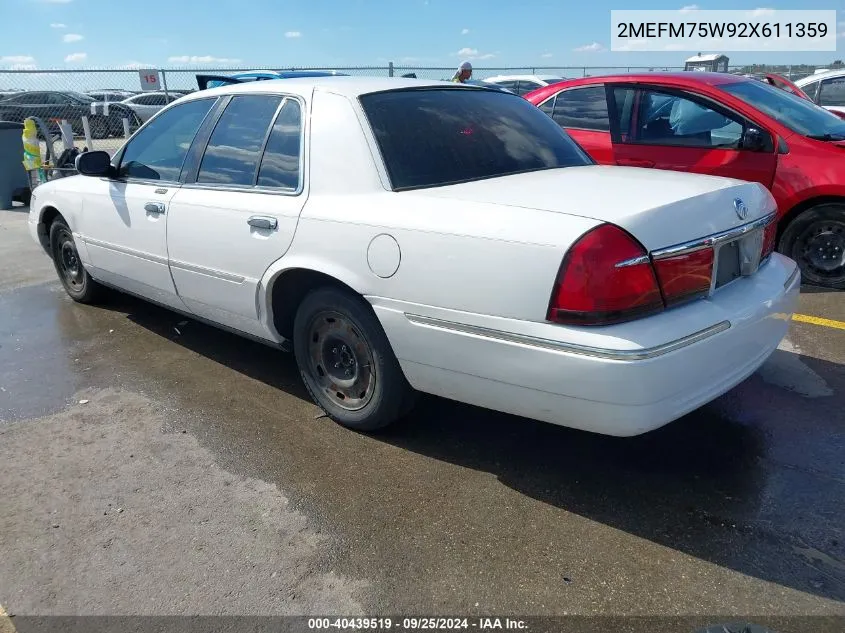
{"x":431,"y":137}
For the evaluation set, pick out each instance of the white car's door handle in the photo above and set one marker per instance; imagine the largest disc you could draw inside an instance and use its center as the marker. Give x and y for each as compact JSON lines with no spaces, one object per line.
{"x":263,"y":222}
{"x":154,"y":207}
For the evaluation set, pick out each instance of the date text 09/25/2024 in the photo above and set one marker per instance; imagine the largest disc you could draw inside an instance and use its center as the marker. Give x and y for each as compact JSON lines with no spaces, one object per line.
{"x":415,"y":624}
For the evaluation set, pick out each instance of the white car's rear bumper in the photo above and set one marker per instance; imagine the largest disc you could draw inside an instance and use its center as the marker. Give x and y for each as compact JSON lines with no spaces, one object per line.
{"x":644,"y":376}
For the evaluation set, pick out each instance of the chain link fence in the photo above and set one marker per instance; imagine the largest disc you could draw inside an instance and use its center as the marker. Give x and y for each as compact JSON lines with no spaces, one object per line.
{"x":103,"y":106}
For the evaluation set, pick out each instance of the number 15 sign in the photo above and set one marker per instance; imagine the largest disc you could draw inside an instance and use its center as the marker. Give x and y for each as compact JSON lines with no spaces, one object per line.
{"x":149,"y":80}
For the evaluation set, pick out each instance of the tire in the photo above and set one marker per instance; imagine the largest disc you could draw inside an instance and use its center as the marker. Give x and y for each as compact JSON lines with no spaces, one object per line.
{"x":346,"y":361}
{"x":816,"y":240}
{"x":79,"y":285}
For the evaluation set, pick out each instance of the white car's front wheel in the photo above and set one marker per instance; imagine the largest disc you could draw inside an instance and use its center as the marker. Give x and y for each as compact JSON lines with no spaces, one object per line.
{"x":77,"y":282}
{"x":346,"y":361}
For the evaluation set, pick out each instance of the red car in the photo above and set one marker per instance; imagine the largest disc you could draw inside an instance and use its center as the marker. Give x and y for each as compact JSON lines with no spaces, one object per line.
{"x":723,"y":125}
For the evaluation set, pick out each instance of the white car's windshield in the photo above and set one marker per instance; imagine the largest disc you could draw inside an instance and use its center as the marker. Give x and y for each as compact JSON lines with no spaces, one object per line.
{"x":432,"y":137}
{"x":798,"y":114}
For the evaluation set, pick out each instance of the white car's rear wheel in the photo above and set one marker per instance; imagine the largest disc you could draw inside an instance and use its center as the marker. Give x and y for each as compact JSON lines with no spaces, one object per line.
{"x":346,"y":361}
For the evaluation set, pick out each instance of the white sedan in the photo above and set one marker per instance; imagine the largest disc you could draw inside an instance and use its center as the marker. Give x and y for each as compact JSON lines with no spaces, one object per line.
{"x":523,"y":84}
{"x":404,"y":236}
{"x":827,"y":89}
{"x":146,"y":104}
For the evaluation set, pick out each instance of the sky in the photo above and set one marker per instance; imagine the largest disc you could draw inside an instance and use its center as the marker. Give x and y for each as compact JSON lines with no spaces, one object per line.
{"x":336,"y":33}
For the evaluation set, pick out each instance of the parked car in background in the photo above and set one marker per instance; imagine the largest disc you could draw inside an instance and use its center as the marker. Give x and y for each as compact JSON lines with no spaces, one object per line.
{"x":827,"y":89}
{"x":523,"y":84}
{"x":110,"y":95}
{"x":146,"y":104}
{"x":779,"y":82}
{"x":724,"y":125}
{"x":484,"y":258}
{"x":53,"y":106}
{"x":215,"y":81}
{"x":484,"y":84}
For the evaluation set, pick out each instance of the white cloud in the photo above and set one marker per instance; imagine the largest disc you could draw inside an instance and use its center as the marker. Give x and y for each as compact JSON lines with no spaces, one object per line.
{"x":546,"y":55}
{"x":472,"y":53}
{"x":595,"y":47}
{"x":202,"y":59}
{"x":76,"y":57}
{"x":17,"y":59}
{"x":759,"y":13}
{"x":58,"y":25}
{"x":293,"y":34}
{"x":133,"y":65}
{"x":464,"y":31}
{"x":72,"y":37}
{"x":689,"y":8}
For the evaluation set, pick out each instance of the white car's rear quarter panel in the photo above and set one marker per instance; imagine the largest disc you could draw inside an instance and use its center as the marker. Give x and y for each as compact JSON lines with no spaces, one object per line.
{"x":616,"y":397}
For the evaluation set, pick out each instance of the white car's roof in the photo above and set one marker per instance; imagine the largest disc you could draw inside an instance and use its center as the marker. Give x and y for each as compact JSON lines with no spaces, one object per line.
{"x":827,"y":74}
{"x":347,"y":86}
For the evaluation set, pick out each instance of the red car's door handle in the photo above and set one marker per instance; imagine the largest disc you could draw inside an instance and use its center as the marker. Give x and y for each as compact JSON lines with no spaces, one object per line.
{"x":635,"y":162}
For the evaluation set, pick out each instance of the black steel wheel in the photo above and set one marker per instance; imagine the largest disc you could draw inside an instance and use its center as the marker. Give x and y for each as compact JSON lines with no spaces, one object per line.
{"x":77,"y":282}
{"x":340,"y":359}
{"x":816,"y":240}
{"x":346,"y":361}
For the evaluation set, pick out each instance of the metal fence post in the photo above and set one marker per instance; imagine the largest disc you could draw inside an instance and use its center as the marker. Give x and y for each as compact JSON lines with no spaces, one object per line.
{"x":390,"y":69}
{"x":164,"y":84}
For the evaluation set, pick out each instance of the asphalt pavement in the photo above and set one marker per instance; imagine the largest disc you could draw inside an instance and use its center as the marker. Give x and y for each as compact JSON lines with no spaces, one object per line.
{"x":150,"y":464}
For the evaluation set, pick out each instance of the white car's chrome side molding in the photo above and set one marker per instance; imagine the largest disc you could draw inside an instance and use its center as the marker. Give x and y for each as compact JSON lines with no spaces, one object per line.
{"x":795,"y":273}
{"x":560,"y":346}
{"x":211,"y":272}
{"x":126,"y":251}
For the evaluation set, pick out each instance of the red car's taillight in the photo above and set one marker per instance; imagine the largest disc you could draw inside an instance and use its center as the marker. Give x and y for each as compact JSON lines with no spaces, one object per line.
{"x":685,"y":277}
{"x":606,"y":277}
{"x":770,"y":234}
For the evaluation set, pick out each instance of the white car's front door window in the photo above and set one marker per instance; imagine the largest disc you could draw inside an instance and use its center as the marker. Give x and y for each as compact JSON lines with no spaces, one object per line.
{"x":158,"y":151}
{"x":125,"y":219}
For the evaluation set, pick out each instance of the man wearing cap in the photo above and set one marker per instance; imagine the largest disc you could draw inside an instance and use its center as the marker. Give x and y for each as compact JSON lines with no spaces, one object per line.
{"x":463,"y":74}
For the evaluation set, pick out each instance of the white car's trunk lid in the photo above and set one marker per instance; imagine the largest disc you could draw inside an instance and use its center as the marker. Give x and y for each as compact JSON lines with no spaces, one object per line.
{"x":659,"y":208}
